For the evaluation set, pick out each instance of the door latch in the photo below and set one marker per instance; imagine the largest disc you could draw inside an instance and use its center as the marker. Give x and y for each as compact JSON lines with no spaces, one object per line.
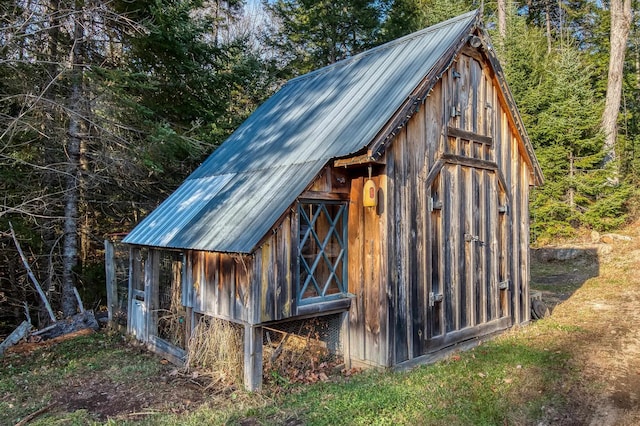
{"x":473,"y":239}
{"x":433,"y":298}
{"x":504,"y":285}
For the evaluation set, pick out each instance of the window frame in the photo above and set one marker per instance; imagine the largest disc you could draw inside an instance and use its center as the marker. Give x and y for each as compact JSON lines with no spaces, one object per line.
{"x":337,"y":231}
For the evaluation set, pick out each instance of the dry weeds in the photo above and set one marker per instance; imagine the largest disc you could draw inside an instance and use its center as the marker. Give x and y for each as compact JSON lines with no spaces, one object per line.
{"x":215,"y":349}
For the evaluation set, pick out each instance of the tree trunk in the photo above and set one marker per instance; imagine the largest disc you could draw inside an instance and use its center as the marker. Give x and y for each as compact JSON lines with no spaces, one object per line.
{"x":620,"y":23}
{"x":72,"y":190}
{"x":502,"y":20}
{"x":547,"y":17}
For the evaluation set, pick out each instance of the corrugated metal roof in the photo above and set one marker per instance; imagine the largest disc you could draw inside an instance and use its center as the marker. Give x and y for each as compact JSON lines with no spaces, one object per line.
{"x":231,"y":201}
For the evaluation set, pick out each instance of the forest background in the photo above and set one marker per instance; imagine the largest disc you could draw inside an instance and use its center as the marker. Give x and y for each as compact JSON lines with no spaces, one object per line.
{"x":106,"y":106}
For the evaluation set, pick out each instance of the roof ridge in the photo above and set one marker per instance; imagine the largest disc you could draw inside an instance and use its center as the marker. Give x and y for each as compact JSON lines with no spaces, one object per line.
{"x":384,"y":46}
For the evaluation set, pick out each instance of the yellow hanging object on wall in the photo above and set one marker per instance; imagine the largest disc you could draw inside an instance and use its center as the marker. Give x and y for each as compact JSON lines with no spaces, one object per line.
{"x":370,"y":194}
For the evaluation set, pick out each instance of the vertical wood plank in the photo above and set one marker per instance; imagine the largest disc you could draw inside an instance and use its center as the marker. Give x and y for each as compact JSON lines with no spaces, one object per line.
{"x":515,"y":253}
{"x":231,"y":282}
{"x":382,"y":272}
{"x":435,"y":122}
{"x":437,"y":255}
{"x":477,"y":107}
{"x":356,"y":269}
{"x":427,"y":267}
{"x":463,"y":300}
{"x":452,"y":99}
{"x":283,"y":289}
{"x":524,"y":247}
{"x":281,"y":267}
{"x":464,"y":100}
{"x":209,"y":276}
{"x":475,"y":293}
{"x":255,"y":291}
{"x":402,"y":314}
{"x":450,"y":229}
{"x":372,"y":283}
{"x":417,"y":168}
{"x":493,"y":112}
{"x":498,"y":134}
{"x":295,"y":262}
{"x":467,"y":261}
{"x":505,"y":250}
{"x":490,"y":231}
{"x":484,"y":269}
{"x":243,"y":284}
{"x":267,"y":280}
{"x":392,"y":280}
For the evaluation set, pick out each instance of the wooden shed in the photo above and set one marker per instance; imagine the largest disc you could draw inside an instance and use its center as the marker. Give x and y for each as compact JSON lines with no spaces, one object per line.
{"x":390,"y":188}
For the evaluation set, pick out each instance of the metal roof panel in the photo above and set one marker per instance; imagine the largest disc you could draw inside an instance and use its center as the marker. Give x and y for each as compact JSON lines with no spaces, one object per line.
{"x":258,"y":172}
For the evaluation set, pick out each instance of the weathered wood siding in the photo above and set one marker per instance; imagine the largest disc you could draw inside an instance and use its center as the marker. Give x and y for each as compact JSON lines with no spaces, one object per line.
{"x":368,"y":318}
{"x":260,"y":287}
{"x":441,"y":259}
{"x":275,"y":272}
{"x":250,"y":289}
{"x":457,"y":224}
{"x":220,"y":284}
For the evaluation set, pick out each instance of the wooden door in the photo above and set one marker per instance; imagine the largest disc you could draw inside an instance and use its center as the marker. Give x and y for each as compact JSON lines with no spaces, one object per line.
{"x":468,"y":281}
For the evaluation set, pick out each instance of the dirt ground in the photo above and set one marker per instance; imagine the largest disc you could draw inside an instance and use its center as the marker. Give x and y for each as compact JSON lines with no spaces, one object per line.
{"x":104,"y":398}
{"x":597,"y":293}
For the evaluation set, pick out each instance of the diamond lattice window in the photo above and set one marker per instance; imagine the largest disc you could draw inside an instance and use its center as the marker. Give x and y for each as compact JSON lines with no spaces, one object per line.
{"x":322,"y":251}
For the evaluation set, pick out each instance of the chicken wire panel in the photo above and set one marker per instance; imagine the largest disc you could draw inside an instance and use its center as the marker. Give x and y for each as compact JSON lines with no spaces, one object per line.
{"x":171,"y":313}
{"x":122,"y":275}
{"x":120,"y":261}
{"x":170,"y":278}
{"x":326,"y":329}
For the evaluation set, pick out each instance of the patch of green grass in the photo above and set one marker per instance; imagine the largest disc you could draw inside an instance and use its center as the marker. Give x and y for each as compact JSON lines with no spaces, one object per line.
{"x":76,"y":418}
{"x":517,"y":378}
{"x":504,"y":380}
{"x":501,"y":381}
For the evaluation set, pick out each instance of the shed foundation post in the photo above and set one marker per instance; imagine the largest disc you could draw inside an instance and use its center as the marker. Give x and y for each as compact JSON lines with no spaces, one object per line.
{"x":345,"y":340}
{"x":252,"y":357}
{"x":112,"y":283}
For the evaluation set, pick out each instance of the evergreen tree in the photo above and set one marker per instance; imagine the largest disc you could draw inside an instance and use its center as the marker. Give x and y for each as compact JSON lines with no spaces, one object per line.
{"x":105,"y":107}
{"x":556,"y":97}
{"x":311,"y":34}
{"x":407,"y":16}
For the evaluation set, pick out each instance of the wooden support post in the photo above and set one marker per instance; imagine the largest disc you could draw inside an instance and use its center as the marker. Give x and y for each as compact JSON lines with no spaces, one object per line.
{"x":189,"y":326}
{"x":252,"y":357}
{"x":151,"y":293}
{"x":110,"y":271}
{"x":345,"y":340}
{"x":134,"y":278}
